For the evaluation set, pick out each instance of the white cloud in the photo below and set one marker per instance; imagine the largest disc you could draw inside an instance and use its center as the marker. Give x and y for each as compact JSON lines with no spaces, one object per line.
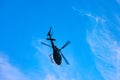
{"x":107,"y":52}
{"x":8,"y":71}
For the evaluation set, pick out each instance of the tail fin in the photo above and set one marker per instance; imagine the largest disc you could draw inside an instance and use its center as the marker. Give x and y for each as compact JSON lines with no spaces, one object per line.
{"x":50,"y":34}
{"x":49,"y":31}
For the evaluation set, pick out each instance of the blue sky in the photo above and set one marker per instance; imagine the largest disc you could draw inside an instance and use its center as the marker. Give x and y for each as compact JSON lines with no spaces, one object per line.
{"x":91,"y":26}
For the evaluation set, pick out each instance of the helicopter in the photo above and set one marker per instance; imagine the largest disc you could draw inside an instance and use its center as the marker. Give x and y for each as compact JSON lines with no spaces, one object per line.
{"x":57,"y":53}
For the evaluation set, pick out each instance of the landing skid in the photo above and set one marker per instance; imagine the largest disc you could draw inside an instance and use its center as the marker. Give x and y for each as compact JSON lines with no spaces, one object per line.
{"x":51,"y":58}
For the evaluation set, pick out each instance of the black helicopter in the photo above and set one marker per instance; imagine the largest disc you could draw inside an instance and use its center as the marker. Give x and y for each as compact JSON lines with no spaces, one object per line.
{"x":57,"y":54}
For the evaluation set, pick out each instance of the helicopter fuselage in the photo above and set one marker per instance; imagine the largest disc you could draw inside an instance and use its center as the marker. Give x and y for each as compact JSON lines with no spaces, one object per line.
{"x":56,"y":54}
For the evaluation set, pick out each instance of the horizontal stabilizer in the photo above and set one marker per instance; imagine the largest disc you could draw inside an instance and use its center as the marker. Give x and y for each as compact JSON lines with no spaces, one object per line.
{"x":51,"y":39}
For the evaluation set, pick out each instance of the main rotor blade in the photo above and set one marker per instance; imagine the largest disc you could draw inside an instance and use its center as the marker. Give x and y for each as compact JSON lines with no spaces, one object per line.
{"x":67,"y":43}
{"x":45,"y":44}
{"x":64,"y":58}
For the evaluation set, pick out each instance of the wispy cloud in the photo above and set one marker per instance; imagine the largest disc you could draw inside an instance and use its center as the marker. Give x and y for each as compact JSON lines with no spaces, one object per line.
{"x":106,"y":50}
{"x":117,"y":17}
{"x":10,"y":72}
{"x":50,"y":77}
{"x":118,"y":1}
{"x":95,"y":18}
{"x":105,"y":47}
